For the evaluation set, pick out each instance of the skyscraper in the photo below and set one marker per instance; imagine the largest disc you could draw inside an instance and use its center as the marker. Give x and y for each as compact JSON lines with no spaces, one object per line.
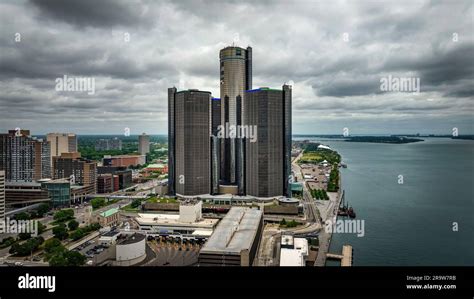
{"x":23,"y":157}
{"x":189,"y":143}
{"x":235,"y":78}
{"x":2,"y":195}
{"x":143,"y":144}
{"x":61,"y":143}
{"x":268,"y":159}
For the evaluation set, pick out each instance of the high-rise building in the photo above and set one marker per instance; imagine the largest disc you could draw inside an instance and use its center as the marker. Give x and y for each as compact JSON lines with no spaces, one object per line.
{"x":268,"y":159}
{"x":189,"y":143}
{"x":2,"y":195}
{"x":235,"y":78}
{"x":23,"y":157}
{"x":143,"y":144}
{"x":81,"y":171}
{"x":61,"y":143}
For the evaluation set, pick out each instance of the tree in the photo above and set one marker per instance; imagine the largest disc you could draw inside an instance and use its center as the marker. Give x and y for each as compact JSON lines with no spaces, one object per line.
{"x":75,"y":259}
{"x":27,"y":247}
{"x":64,"y":215}
{"x":60,"y":232}
{"x":51,"y":244}
{"x":43,"y":209}
{"x":24,"y":236}
{"x":73,"y":225}
{"x":283,"y":222}
{"x":77,"y":234}
{"x":136,"y":203}
{"x":22,"y":216}
{"x":41,"y":228}
{"x":97,"y":202}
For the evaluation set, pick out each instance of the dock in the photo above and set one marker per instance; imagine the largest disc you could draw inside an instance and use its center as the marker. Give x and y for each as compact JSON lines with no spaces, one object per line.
{"x":345,"y":257}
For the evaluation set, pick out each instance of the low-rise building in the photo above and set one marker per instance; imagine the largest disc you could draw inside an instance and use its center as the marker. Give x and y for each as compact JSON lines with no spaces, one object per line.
{"x":130,"y":249}
{"x":293,"y":251}
{"x":109,"y":217}
{"x":235,"y":240}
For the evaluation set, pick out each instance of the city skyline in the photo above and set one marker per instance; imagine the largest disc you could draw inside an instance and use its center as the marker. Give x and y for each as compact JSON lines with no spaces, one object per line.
{"x":334,"y":57}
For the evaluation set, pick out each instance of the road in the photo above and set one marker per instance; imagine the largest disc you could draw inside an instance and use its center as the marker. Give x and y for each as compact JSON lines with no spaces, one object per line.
{"x":311,"y":211}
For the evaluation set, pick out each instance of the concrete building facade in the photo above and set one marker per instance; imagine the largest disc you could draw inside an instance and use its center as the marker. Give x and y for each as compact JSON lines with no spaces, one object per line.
{"x":143,"y":144}
{"x":61,"y":143}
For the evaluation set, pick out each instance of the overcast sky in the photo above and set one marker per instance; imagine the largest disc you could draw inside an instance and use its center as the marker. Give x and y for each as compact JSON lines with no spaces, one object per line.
{"x":334,"y":52}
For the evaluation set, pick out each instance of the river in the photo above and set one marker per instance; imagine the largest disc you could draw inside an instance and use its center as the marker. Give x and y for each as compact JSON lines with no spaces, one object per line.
{"x":416,"y":200}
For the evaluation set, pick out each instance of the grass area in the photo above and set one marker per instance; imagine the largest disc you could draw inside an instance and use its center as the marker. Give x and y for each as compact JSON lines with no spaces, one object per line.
{"x":317,"y":156}
{"x":162,"y":200}
{"x":289,"y":224}
{"x":333,"y":184}
{"x":100,"y":202}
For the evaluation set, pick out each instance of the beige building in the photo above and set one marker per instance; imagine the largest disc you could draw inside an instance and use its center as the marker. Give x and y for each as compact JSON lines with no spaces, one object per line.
{"x":62,"y":143}
{"x":143,"y":144}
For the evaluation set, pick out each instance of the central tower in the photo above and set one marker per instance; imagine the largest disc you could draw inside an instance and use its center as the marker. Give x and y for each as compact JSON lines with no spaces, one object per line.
{"x":235,"y":79}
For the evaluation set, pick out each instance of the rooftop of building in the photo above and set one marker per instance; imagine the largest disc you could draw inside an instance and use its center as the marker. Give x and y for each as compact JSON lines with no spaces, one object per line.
{"x":193,"y":90}
{"x":235,"y":232}
{"x":22,"y":184}
{"x":122,"y":156}
{"x":130,"y":239}
{"x":172,"y":220}
{"x":156,"y":165}
{"x":293,"y":256}
{"x":109,"y":212}
{"x":263,"y":89}
{"x":111,"y":233}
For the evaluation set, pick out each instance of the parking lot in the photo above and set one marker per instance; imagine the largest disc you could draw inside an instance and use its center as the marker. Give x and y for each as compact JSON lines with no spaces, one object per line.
{"x":91,"y":250}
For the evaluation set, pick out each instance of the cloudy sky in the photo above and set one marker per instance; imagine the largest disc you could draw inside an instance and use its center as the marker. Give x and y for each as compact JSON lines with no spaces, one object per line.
{"x":334,"y":52}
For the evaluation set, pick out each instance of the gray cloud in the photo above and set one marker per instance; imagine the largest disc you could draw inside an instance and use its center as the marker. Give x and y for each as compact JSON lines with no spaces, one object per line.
{"x":337,"y":82}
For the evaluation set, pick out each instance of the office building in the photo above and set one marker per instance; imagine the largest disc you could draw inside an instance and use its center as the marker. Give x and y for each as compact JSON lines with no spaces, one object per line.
{"x":59,"y":191}
{"x":189,"y":149}
{"x":235,"y":78}
{"x":21,"y":193}
{"x":107,"y":183}
{"x":235,"y":240}
{"x":143,"y":144}
{"x":268,"y":159}
{"x":124,"y":160}
{"x":2,"y":195}
{"x":81,"y":171}
{"x":23,"y":157}
{"x":122,"y":176}
{"x":61,"y":143}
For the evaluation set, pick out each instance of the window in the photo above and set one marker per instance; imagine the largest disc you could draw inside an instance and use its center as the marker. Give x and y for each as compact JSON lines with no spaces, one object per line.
{"x":238,"y":52}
